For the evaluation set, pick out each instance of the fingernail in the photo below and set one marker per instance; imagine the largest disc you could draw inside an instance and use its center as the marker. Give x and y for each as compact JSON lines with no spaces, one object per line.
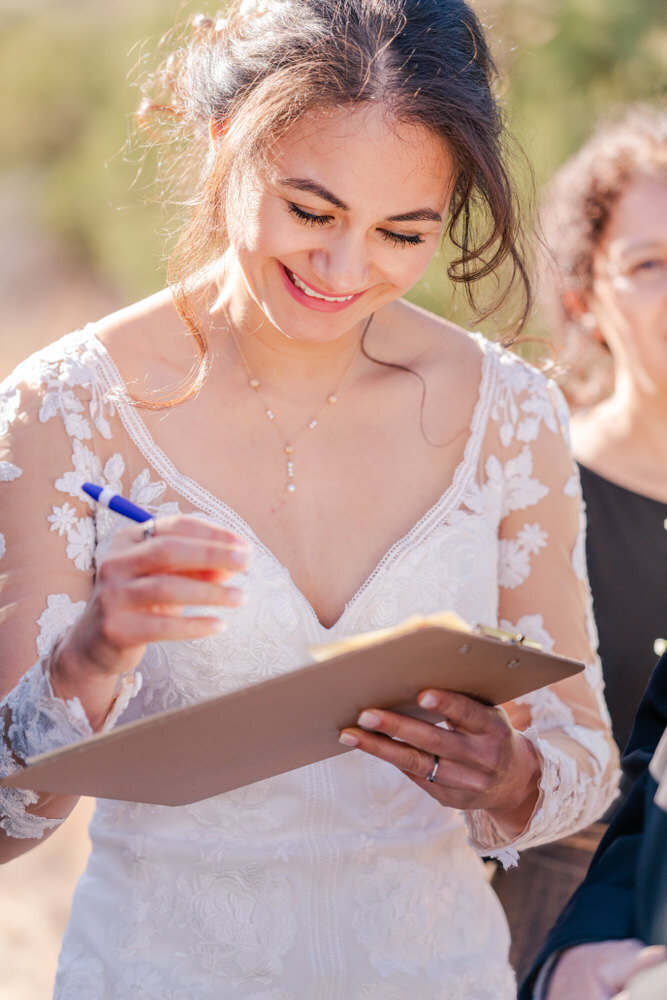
{"x":348,"y":740}
{"x":427,"y":700}
{"x":369,"y":720}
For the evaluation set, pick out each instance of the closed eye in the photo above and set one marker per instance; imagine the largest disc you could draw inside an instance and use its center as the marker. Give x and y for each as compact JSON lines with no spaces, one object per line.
{"x":649,"y":264}
{"x":401,"y":239}
{"x":308,"y":218}
{"x":395,"y":239}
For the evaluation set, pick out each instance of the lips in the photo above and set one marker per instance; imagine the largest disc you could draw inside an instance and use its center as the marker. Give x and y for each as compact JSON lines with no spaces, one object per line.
{"x":307,"y":290}
{"x":314,"y":298}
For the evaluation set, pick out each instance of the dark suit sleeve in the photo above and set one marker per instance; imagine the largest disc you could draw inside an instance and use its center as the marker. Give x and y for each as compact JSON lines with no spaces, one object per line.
{"x":603,"y":907}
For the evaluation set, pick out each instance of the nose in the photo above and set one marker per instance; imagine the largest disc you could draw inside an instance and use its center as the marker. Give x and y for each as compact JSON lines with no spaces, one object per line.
{"x":342,"y":264}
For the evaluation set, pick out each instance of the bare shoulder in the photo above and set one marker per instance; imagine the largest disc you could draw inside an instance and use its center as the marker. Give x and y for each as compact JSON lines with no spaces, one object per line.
{"x":436,"y":345}
{"x":446,"y":358}
{"x":148,"y":342}
{"x":452,"y":363}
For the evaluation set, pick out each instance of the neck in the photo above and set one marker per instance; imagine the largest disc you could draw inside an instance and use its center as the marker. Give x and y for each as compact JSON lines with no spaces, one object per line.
{"x":269,"y":353}
{"x":638,"y":406}
{"x":624,"y":438}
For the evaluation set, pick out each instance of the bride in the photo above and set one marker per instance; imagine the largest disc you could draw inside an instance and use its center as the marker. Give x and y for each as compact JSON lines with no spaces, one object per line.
{"x":319,"y":458}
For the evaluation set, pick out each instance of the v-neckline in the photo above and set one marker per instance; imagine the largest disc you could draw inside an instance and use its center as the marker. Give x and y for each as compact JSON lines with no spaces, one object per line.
{"x":207,"y":502}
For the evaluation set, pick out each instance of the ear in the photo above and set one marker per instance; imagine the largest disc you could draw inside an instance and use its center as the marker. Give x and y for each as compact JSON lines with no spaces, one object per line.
{"x":217,"y":128}
{"x":574,"y":305}
{"x":577,"y":308}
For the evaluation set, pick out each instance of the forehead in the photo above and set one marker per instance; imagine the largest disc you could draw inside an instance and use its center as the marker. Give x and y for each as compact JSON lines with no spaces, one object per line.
{"x":361,"y":152}
{"x":639,"y":215}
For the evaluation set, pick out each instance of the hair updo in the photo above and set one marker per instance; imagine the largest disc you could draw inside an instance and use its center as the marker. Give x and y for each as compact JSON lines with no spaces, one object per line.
{"x":256,"y":69}
{"x":576,"y":210}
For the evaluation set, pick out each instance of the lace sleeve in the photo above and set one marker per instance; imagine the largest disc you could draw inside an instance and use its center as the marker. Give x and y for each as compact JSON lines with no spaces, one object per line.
{"x":45,"y":570}
{"x":544,"y":595}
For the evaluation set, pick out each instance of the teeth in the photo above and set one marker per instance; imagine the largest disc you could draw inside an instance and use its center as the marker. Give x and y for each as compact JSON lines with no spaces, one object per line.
{"x":314,"y":295}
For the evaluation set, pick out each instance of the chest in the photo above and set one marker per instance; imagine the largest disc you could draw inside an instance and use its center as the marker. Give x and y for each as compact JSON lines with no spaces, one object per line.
{"x":327,"y":501}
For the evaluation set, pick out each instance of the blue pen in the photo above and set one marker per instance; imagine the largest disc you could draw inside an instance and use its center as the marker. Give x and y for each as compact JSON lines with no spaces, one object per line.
{"x":116,"y":502}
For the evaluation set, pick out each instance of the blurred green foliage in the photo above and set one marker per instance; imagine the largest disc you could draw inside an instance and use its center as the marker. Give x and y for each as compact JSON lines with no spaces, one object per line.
{"x":66,"y":105}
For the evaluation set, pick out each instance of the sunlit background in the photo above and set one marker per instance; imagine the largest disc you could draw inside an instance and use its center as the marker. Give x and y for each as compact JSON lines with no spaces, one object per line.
{"x":78,"y":237}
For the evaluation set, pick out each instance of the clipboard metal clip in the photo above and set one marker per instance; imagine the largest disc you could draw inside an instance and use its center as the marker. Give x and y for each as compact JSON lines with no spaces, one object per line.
{"x":514,"y":638}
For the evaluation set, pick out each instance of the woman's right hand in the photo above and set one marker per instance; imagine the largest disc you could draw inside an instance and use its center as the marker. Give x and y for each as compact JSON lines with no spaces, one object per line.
{"x":139,"y":596}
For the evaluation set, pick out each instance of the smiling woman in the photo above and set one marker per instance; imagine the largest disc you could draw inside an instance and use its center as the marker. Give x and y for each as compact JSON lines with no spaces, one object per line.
{"x":343,"y":255}
{"x":433,"y":474}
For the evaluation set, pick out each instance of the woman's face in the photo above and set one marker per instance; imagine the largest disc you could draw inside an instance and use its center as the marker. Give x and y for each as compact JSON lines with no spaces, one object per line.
{"x":629,"y":294}
{"x":344,"y":221}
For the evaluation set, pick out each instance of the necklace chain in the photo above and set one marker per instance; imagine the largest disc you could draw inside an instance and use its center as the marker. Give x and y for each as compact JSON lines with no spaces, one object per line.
{"x":310,"y":425}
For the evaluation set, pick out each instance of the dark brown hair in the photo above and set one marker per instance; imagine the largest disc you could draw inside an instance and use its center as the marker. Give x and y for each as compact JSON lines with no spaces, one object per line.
{"x":576,"y":209}
{"x":255,"y":73}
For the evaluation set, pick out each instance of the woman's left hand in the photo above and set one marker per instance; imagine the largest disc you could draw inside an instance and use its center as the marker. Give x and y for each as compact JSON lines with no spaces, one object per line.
{"x":478,"y":762}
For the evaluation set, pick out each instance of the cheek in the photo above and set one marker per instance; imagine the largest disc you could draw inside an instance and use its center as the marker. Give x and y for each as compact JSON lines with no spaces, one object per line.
{"x":631,"y":307}
{"x":407,"y":265}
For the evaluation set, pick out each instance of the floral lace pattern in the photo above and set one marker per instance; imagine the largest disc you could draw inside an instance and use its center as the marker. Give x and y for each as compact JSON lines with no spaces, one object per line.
{"x":340,"y":880}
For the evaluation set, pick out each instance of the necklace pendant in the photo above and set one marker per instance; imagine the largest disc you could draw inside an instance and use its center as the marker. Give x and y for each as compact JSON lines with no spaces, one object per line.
{"x":291,"y":485}
{"x":288,"y":448}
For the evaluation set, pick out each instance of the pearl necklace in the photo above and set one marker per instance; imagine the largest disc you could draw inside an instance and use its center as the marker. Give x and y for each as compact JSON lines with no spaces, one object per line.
{"x":310,"y":425}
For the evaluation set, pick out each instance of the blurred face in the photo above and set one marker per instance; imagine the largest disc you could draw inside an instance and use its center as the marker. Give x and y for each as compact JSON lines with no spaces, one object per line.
{"x":345,"y":220}
{"x":629,"y":294}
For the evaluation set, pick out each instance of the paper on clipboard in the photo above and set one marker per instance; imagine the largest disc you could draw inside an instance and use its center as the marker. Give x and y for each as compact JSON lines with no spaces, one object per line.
{"x":186,"y":754}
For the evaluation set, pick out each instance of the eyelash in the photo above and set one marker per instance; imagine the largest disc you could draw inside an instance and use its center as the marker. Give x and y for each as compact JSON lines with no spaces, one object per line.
{"x":648,"y":263}
{"x":307,"y":217}
{"x":396,"y":239}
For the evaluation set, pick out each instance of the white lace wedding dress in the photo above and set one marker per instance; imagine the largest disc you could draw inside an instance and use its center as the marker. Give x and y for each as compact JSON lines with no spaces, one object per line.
{"x":337,"y":881}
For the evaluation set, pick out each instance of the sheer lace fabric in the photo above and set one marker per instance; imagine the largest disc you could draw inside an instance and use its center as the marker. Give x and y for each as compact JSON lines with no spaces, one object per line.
{"x":340,"y":880}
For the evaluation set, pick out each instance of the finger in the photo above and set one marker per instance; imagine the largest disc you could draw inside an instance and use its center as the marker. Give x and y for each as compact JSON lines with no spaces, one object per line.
{"x":480,"y":752}
{"x":420,"y":734}
{"x":464,"y":785}
{"x":651,"y":955}
{"x":646,"y":957}
{"x":193,"y":526}
{"x":187,"y":525}
{"x":453,"y":784}
{"x":176,"y":554}
{"x":178,"y":591}
{"x":407,"y":758}
{"x":133,"y":629}
{"x":460,"y":711}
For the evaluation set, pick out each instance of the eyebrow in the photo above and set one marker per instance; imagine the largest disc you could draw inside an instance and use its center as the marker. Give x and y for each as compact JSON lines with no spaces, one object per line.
{"x":640,"y":245}
{"x":312,"y":187}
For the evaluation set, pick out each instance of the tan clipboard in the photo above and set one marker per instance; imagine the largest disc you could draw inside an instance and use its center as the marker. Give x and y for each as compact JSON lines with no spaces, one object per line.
{"x":191,"y":753}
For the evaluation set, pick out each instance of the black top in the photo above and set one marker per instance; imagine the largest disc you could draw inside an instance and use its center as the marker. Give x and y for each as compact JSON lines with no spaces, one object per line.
{"x":626,"y":550}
